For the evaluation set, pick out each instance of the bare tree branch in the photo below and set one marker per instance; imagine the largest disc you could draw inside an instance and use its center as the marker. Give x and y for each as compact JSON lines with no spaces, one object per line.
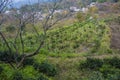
{"x":25,"y":18}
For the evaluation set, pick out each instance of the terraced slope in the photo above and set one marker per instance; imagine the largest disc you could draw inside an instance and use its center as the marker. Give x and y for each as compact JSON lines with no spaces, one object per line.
{"x":90,"y":36}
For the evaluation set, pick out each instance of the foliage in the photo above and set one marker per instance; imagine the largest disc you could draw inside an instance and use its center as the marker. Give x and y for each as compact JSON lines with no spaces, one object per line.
{"x":117,"y":20}
{"x":17,"y":76}
{"x":26,"y":73}
{"x":92,"y":64}
{"x":114,"y":62}
{"x":6,"y":57}
{"x":81,"y":16}
{"x":28,"y":61}
{"x":108,"y":71}
{"x":7,"y":73}
{"x":93,"y":10}
{"x":95,"y":64}
{"x":89,"y":36}
{"x":96,"y":75}
{"x":1,"y":69}
{"x":46,"y":68}
{"x":10,"y":29}
{"x":42,"y":77}
{"x":105,"y":69}
{"x":29,"y":72}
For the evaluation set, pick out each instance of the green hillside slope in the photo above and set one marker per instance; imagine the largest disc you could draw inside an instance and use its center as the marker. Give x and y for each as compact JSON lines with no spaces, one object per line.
{"x":90,"y":36}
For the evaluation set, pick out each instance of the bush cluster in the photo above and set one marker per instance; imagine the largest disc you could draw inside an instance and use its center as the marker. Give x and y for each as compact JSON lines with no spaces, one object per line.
{"x":29,"y":68}
{"x":1,"y":69}
{"x":92,"y":64}
{"x":46,"y":68}
{"x":108,"y":69}
{"x":19,"y":76}
{"x":95,"y":64}
{"x":42,"y":77}
{"x":117,"y":20}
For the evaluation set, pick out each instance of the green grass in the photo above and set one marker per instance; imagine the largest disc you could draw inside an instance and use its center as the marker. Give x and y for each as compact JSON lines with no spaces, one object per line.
{"x":66,"y":47}
{"x":90,"y":36}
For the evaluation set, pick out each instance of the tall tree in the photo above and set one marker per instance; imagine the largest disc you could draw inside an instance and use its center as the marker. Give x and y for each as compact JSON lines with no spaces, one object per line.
{"x":17,"y":43}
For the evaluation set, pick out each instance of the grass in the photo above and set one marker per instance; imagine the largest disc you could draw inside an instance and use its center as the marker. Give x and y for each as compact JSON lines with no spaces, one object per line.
{"x":67,"y":46}
{"x":69,"y":67}
{"x":89,"y":36}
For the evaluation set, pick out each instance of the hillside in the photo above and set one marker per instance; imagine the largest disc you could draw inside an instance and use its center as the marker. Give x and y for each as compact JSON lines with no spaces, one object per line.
{"x":80,"y":37}
{"x":56,"y":43}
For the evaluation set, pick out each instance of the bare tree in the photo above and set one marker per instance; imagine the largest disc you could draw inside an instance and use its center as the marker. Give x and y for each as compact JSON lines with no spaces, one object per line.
{"x":23,"y":18}
{"x":3,"y":6}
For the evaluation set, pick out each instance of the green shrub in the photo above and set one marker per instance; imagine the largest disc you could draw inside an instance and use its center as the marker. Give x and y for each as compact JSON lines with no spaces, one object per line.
{"x":17,"y":76}
{"x":28,"y":61}
{"x":46,"y":68}
{"x":115,"y":62}
{"x":42,"y":77}
{"x":115,"y":76}
{"x":117,"y":19}
{"x":92,"y":64}
{"x":30,"y":79}
{"x":7,"y":73}
{"x":1,"y":69}
{"x":6,"y":56}
{"x":10,"y":28}
{"x":29,"y":72}
{"x":96,"y":76}
{"x":105,"y":69}
{"x":109,"y":71}
{"x":81,"y":16}
{"x":44,"y":51}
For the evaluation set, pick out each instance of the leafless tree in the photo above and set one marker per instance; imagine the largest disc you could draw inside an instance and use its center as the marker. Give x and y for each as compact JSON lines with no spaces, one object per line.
{"x":3,"y":5}
{"x":23,"y":18}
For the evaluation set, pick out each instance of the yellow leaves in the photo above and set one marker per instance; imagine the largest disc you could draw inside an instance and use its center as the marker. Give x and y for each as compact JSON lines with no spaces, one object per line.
{"x":81,"y":16}
{"x":93,"y":9}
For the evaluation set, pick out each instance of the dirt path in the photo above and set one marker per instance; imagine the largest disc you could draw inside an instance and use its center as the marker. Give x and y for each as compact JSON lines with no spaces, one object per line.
{"x":115,"y":40}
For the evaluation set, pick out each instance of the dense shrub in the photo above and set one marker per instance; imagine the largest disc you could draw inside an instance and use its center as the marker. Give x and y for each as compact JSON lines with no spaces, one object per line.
{"x":112,"y":74}
{"x":83,"y":36}
{"x":28,"y":61}
{"x":115,"y":76}
{"x":109,"y":71}
{"x":114,"y":62}
{"x":7,"y":72}
{"x":42,"y":77}
{"x":105,"y":69}
{"x":92,"y":64}
{"x":96,"y":76}
{"x":30,"y":79}
{"x":117,"y":20}
{"x":95,"y":64}
{"x":44,"y":51}
{"x":46,"y":68}
{"x":17,"y":76}
{"x":10,"y":28}
{"x":93,"y":10}
{"x":29,"y":72}
{"x":81,"y":16}
{"x":1,"y":69}
{"x":101,"y":1}
{"x":5,"y":56}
